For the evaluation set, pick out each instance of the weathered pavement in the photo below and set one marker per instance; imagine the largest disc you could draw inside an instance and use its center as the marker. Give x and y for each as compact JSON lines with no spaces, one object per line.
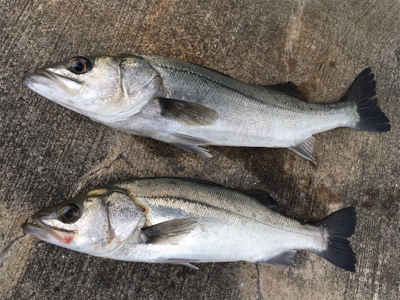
{"x":48,"y":153}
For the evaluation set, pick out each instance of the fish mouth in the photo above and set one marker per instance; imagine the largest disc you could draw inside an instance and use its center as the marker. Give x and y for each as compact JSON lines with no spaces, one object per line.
{"x":47,"y":233}
{"x":52,"y":85}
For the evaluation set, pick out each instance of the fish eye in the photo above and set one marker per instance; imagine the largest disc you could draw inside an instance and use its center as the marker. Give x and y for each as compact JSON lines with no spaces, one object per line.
{"x":80,"y":65}
{"x":69,"y":213}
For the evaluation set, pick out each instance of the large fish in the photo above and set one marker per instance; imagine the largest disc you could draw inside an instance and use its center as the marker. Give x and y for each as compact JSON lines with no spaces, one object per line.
{"x":177,"y":221}
{"x":190,"y":106}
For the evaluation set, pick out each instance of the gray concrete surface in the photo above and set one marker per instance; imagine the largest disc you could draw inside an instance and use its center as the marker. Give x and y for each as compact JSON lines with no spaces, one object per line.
{"x":48,"y":153}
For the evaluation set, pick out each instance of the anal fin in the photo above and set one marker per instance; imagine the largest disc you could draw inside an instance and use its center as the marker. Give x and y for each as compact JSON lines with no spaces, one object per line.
{"x":281,"y":260}
{"x":305,"y":149}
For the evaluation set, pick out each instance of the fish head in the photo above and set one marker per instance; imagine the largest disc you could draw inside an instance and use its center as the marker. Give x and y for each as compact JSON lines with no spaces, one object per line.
{"x":95,"y":223}
{"x":105,"y":88}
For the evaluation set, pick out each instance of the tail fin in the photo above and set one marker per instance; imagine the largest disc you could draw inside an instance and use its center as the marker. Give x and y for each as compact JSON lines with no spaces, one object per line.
{"x":362,"y":92}
{"x":340,"y":226}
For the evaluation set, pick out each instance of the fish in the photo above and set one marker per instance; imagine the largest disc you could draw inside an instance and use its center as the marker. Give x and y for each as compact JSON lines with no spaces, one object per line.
{"x":189,"y":221}
{"x":190,"y":106}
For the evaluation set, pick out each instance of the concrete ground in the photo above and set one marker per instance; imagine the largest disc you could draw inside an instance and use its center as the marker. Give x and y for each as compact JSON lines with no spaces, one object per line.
{"x":49,"y":153}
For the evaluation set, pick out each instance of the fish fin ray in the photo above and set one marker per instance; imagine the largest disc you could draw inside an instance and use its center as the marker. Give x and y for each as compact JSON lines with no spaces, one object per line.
{"x":178,"y":261}
{"x":189,"y":143}
{"x":305,"y":149}
{"x":192,"y":149}
{"x":266,"y":198}
{"x":362,"y":92}
{"x":281,"y":260}
{"x":288,"y":88}
{"x":168,"y":229}
{"x":187,"y":112}
{"x":340,"y":226}
{"x":187,"y":139}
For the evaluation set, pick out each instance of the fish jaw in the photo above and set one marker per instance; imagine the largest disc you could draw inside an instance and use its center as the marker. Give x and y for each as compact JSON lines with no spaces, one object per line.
{"x":65,"y":92}
{"x":62,"y":238}
{"x":52,"y":86}
{"x":57,"y":88}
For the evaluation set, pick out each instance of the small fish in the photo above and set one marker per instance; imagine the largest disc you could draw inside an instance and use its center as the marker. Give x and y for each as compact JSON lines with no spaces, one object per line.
{"x":185,"y":221}
{"x":190,"y":106}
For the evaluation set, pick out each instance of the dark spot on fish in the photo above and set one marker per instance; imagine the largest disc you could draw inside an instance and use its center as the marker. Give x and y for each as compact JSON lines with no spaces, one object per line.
{"x":332,"y":64}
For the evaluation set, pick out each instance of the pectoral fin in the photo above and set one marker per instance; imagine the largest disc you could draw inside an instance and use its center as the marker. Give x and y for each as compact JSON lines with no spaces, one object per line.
{"x":187,"y":112}
{"x":305,"y":149}
{"x":169,"y":229}
{"x":283,"y":259}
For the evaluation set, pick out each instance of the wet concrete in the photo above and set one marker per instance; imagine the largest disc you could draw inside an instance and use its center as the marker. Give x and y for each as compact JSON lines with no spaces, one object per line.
{"x":48,"y":153}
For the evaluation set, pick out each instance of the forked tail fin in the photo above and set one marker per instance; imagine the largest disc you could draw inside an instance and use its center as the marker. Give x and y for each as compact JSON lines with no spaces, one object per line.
{"x":340,"y":225}
{"x":362,"y":92}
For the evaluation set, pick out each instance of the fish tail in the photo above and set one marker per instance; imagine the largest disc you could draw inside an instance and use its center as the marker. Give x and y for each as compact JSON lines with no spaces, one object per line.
{"x":340,"y":226}
{"x":362,"y":93}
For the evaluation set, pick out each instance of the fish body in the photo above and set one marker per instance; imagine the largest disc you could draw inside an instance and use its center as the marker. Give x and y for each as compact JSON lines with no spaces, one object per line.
{"x":169,"y":220}
{"x":190,"y":106}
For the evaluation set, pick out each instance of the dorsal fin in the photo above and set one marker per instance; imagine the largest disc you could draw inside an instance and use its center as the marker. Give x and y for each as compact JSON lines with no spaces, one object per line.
{"x":201,"y":181}
{"x":262,"y":197}
{"x":288,"y":88}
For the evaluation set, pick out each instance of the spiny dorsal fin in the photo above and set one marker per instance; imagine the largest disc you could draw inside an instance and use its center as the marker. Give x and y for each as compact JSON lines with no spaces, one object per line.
{"x":187,"y":112}
{"x":169,"y":228}
{"x":288,"y":88}
{"x":305,"y":149}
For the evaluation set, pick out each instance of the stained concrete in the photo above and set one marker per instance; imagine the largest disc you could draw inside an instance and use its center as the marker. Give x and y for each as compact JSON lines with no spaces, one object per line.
{"x":48,"y":153}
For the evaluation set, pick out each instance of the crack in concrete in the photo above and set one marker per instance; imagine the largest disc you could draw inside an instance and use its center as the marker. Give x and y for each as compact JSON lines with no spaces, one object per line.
{"x":258,"y":284}
{"x":4,"y":252}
